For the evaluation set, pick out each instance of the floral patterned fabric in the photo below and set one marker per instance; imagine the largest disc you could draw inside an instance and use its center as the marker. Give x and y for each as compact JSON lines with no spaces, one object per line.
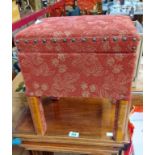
{"x":79,"y":27}
{"x":87,"y":69}
{"x":97,"y":75}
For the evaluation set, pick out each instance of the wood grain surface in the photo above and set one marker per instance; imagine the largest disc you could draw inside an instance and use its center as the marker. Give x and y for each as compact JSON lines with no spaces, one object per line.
{"x":37,"y":114}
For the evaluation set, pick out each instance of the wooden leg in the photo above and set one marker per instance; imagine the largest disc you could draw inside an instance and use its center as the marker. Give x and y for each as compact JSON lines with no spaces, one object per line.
{"x":37,"y":113}
{"x":122,"y":119}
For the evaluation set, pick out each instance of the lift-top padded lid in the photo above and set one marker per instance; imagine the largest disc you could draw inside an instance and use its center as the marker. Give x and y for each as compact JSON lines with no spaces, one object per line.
{"x":93,"y":34}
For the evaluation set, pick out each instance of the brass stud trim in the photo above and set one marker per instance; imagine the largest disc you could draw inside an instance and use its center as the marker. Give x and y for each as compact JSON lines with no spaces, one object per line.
{"x":26,"y":41}
{"x":54,"y":40}
{"x":84,"y":39}
{"x":44,"y":41}
{"x":64,"y":40}
{"x":17,"y":41}
{"x":134,"y":48}
{"x":115,"y":39}
{"x":134,"y":39}
{"x":73,"y":39}
{"x":124,"y":38}
{"x":105,"y":39}
{"x":94,"y":39}
{"x":35,"y":41}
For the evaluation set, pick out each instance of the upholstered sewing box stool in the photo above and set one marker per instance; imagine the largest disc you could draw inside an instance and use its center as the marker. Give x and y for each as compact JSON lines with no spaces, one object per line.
{"x":85,"y":57}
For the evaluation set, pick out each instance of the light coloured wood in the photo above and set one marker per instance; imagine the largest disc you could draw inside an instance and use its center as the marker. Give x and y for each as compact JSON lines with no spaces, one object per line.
{"x":37,"y":113}
{"x":15,"y":12}
{"x":122,"y":120}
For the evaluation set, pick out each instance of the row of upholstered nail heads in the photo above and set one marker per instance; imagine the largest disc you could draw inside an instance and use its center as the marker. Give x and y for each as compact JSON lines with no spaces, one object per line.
{"x":84,"y":39}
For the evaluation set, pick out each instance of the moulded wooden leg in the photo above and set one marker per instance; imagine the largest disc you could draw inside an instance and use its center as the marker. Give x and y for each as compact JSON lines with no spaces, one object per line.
{"x":37,"y":113}
{"x":122,"y":120}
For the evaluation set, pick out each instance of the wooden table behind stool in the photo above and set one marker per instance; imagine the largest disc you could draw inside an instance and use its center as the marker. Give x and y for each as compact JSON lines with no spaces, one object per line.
{"x":24,"y":127}
{"x":65,"y":116}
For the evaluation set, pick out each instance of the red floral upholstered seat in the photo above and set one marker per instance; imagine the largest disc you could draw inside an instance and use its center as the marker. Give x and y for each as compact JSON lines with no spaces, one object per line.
{"x":80,"y":56}
{"x":89,"y":56}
